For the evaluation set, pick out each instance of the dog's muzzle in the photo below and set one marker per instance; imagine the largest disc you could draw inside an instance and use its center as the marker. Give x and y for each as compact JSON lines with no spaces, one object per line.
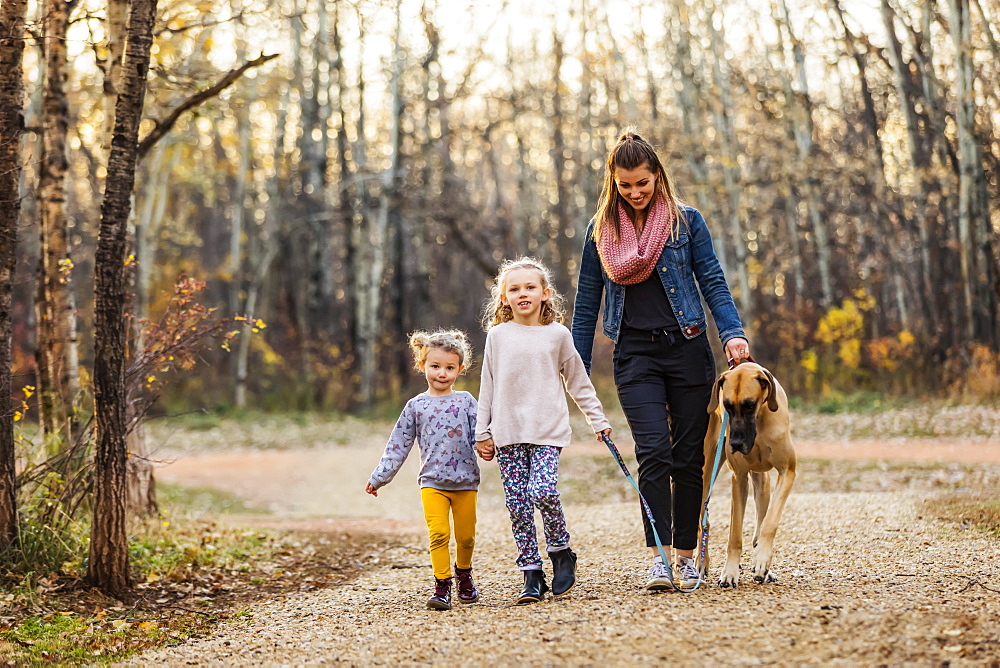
{"x":742,"y":434}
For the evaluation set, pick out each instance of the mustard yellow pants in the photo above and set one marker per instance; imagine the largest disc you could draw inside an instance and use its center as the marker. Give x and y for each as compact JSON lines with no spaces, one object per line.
{"x":462,"y":505}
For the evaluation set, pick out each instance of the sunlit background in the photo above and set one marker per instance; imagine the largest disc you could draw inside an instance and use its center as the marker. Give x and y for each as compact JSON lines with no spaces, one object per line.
{"x":368,"y":180}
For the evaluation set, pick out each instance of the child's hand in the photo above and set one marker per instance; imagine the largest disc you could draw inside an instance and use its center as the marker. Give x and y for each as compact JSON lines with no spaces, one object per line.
{"x":371,"y":490}
{"x":486,"y":449}
{"x":601,"y":434}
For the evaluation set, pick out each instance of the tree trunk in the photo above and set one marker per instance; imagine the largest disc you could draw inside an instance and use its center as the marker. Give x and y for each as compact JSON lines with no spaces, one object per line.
{"x":108,"y":563}
{"x":802,"y":114}
{"x":313,"y":148}
{"x":722,"y":112}
{"x":561,"y":225}
{"x":117,"y":19}
{"x":12,"y":20}
{"x":369,"y":320}
{"x":691,"y":122}
{"x":243,"y":130}
{"x":347,"y":200}
{"x":58,"y":375}
{"x":970,"y":173}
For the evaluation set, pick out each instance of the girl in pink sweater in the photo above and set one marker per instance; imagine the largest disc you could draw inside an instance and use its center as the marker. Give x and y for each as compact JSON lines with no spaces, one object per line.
{"x":528,"y":366}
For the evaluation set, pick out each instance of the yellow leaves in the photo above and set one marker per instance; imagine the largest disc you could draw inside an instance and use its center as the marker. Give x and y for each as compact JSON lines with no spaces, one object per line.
{"x":809,"y":361}
{"x":841,"y":323}
{"x":130,"y":260}
{"x":28,"y":390}
{"x":864,"y":300}
{"x":850,"y":353}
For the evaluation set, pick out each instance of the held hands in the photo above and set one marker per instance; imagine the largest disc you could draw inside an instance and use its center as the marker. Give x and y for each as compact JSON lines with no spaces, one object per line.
{"x":486,"y":449}
{"x":737,"y":350}
{"x":371,"y":490}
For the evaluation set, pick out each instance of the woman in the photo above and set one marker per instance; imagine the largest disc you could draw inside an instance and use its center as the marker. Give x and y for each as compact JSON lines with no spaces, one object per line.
{"x":643,"y":251}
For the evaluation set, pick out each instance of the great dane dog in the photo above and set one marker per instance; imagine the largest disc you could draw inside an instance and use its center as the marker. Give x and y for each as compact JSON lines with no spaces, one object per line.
{"x":759,"y":440}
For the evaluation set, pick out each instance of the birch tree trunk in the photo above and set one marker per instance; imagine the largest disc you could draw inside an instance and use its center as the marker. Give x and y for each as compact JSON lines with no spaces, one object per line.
{"x":316,"y":116}
{"x":347,"y":196}
{"x":691,"y":122}
{"x":108,"y":562}
{"x":238,"y":203}
{"x":117,"y":18}
{"x":58,"y":373}
{"x":970,"y":169}
{"x":370,"y":301}
{"x":802,"y":113}
{"x":722,"y":112}
{"x":920,"y":163}
{"x":12,"y":26}
{"x":561,"y":222}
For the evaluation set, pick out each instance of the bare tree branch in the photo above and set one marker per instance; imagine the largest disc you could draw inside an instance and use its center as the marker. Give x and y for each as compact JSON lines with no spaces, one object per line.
{"x":164,"y":126}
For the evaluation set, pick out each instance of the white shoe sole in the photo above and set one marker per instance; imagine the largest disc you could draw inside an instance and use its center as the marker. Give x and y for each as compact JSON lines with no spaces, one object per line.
{"x":659,"y":584}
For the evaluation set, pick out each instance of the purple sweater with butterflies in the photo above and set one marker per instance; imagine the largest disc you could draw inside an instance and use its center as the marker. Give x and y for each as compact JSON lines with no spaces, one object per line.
{"x":445,"y":429}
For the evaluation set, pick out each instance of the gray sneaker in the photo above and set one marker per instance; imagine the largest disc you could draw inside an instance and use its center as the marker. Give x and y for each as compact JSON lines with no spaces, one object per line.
{"x":659,"y":577}
{"x":687,"y":573}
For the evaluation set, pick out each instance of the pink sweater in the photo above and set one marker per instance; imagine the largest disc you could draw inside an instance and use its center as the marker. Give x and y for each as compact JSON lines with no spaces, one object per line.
{"x":527,"y":371}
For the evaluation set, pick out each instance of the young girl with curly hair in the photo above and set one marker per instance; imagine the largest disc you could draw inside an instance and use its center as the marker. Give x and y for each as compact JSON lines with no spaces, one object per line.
{"x":528,"y":366}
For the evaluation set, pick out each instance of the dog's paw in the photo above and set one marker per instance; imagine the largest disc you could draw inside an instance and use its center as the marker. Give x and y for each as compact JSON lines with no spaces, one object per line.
{"x":729,"y":578}
{"x":762,"y":574}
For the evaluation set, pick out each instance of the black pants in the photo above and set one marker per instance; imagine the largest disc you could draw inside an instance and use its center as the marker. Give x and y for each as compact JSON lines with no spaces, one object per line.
{"x":664,"y":384}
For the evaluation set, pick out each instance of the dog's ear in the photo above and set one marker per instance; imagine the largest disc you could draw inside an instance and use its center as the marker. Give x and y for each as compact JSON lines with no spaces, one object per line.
{"x":716,"y":394}
{"x":772,"y":395}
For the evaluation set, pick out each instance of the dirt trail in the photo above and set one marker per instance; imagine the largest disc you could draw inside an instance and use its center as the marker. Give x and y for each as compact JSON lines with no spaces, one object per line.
{"x":867,"y":576}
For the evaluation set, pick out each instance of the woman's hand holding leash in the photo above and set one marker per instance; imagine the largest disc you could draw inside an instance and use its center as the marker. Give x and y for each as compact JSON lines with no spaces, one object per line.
{"x":601,"y":435}
{"x":371,"y":490}
{"x":737,"y":350}
{"x":486,"y":449}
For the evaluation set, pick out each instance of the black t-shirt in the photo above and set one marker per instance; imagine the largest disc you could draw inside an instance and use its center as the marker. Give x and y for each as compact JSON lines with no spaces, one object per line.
{"x":647,"y":306}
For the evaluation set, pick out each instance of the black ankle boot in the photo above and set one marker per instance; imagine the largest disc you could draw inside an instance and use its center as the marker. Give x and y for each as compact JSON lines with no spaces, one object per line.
{"x":441,"y":600}
{"x":563,"y":571}
{"x":534,"y":587}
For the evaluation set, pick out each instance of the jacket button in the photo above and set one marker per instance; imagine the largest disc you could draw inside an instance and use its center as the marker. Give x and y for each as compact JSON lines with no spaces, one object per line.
{"x":672,"y":291}
{"x":680,"y":313}
{"x":663,"y":268}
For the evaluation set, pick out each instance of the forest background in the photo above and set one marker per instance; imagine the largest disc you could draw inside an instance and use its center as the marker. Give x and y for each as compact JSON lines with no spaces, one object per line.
{"x":258,"y":217}
{"x":368,"y":180}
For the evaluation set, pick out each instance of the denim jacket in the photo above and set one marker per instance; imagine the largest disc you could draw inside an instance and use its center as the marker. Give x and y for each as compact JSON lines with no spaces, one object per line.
{"x":688,"y":258}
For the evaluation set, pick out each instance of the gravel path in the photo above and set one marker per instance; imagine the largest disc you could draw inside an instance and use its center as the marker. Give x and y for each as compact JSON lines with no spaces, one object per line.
{"x":866,"y":577}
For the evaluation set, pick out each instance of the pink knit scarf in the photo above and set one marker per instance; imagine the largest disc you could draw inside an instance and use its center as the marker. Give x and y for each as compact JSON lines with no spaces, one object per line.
{"x":630,"y":260}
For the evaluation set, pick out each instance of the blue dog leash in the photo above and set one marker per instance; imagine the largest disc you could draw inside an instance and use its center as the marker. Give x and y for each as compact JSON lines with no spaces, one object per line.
{"x":716,"y":467}
{"x":649,"y":515}
{"x":703,"y":548}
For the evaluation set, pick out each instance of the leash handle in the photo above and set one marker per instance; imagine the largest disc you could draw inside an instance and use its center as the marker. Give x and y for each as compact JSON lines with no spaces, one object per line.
{"x":733,"y":363}
{"x":649,"y":515}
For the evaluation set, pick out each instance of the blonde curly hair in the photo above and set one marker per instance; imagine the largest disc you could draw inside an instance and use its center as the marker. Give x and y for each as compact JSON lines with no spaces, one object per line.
{"x":449,"y":340}
{"x":496,"y":311}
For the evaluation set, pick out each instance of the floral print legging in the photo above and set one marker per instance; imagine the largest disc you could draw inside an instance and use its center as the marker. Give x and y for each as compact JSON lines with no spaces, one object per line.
{"x":530,"y":473}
